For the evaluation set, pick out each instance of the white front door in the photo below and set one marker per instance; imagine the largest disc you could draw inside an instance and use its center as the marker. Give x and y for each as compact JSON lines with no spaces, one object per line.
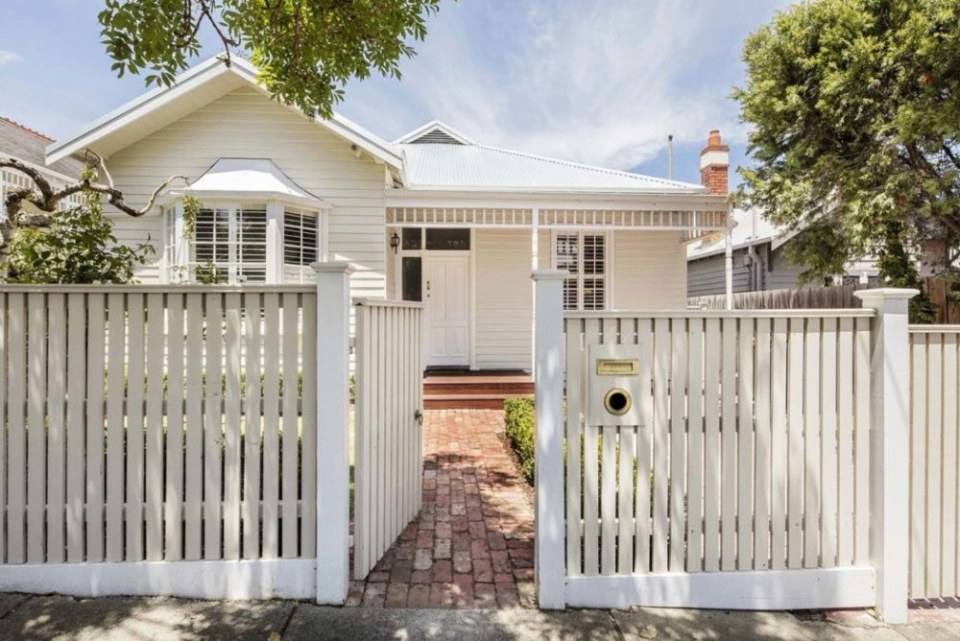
{"x":446,"y":288}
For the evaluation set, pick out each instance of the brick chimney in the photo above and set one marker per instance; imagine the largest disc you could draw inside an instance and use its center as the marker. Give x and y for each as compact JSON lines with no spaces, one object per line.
{"x":715,"y":164}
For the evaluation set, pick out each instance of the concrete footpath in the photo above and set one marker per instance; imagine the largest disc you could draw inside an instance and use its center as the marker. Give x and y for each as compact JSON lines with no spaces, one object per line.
{"x":28,"y":618}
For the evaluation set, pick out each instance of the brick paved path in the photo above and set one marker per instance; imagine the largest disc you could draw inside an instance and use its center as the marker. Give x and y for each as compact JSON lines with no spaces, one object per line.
{"x":472,"y":546}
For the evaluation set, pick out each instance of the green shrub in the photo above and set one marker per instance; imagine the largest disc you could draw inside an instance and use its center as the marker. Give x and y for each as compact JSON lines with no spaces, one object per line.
{"x":521,"y":429}
{"x":77,"y":247}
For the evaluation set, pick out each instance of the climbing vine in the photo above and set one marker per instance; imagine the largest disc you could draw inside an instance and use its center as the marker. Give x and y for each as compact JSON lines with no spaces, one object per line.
{"x":191,"y":210}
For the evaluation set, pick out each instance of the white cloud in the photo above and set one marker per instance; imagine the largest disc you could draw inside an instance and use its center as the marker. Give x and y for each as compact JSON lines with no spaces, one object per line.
{"x":7,"y":57}
{"x":601,"y":83}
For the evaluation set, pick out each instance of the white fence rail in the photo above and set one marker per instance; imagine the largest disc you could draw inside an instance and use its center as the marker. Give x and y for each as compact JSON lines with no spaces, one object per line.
{"x":164,"y":440}
{"x":389,"y":439}
{"x":934,"y":427}
{"x":753,"y":469}
{"x":751,"y":454}
{"x":745,"y":459}
{"x":149,"y":425}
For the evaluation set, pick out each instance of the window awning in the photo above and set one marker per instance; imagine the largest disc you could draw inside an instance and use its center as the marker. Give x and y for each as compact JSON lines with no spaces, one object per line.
{"x":248,"y":179}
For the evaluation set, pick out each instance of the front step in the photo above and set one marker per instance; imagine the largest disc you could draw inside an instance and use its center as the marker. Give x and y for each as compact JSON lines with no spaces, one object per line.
{"x":473,"y":390}
{"x":466,"y":401}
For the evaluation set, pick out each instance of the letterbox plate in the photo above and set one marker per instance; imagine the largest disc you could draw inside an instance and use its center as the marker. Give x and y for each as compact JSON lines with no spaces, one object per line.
{"x":613,"y":366}
{"x":618,"y":367}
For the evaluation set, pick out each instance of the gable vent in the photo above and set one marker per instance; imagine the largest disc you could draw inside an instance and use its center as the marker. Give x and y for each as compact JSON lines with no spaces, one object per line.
{"x":435,"y":137}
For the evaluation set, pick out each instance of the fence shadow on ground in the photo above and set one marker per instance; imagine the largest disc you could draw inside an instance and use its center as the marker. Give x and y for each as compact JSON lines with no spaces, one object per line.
{"x":134,"y":619}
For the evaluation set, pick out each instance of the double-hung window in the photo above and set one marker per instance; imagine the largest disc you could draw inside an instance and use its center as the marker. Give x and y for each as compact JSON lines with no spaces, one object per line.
{"x":584,"y":257}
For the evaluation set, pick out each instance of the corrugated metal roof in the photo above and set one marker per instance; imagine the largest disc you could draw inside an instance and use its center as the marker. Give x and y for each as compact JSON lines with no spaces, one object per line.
{"x":26,"y":144}
{"x":474,"y":167}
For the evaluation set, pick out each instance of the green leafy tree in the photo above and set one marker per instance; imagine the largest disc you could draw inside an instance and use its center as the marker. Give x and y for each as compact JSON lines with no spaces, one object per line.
{"x":77,"y":246}
{"x":306,"y":50}
{"x":854,"y":107}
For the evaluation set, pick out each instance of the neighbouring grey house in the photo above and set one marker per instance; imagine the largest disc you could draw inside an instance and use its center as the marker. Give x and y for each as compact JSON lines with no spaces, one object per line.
{"x":30,"y":147}
{"x":760,"y":261}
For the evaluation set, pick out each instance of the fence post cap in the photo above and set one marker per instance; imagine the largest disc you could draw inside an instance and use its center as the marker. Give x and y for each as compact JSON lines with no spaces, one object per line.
{"x":886,"y":293}
{"x":334,"y":267}
{"x":549,"y":274}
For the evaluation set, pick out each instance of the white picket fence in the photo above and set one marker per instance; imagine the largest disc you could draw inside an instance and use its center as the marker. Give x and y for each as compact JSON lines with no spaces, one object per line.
{"x":176,"y":423}
{"x":387,"y":477}
{"x":934,"y":426}
{"x":755,"y":472}
{"x":737,"y":501}
{"x":745,"y":460}
{"x":184,"y":440}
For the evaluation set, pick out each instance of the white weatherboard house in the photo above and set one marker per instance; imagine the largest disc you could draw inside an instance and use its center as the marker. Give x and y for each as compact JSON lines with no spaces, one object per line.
{"x":433,"y":216}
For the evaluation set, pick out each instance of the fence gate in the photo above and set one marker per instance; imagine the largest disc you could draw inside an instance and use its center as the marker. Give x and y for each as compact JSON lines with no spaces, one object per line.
{"x":718,"y":459}
{"x":389,"y":401}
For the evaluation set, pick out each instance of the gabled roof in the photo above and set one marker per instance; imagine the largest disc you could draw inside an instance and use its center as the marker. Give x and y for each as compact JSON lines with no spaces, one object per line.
{"x":242,"y":178}
{"x":434,"y":132}
{"x":434,"y":157}
{"x":27,"y":145}
{"x":192,"y":89}
{"x":473,"y":167}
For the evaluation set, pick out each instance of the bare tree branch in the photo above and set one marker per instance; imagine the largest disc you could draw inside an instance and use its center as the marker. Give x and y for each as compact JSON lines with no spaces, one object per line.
{"x":95,"y":161}
{"x":46,"y":190}
{"x":115,"y":196}
{"x":953,"y":158}
{"x":49,"y":200}
{"x":205,"y":12}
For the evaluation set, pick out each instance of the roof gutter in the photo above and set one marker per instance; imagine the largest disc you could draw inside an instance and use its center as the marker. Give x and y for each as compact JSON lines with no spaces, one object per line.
{"x":683,"y":201}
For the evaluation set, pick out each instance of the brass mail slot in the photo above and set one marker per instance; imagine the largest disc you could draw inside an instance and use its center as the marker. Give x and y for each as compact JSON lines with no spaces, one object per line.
{"x":618,"y":367}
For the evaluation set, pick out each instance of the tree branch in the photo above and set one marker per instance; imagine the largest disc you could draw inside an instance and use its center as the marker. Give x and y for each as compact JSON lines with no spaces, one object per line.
{"x":46,"y":190}
{"x":949,"y":153}
{"x":115,"y":196}
{"x":227,"y":41}
{"x":49,"y":199}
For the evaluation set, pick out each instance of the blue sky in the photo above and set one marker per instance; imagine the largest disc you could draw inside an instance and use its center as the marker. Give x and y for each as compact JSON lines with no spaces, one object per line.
{"x":600,"y":82}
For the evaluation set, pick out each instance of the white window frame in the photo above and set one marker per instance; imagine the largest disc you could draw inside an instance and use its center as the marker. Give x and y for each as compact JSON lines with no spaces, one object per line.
{"x":178,"y":261}
{"x":233,"y":241}
{"x":580,"y":276}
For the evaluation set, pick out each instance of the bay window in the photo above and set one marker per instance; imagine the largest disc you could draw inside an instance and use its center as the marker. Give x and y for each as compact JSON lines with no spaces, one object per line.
{"x":239,"y":243}
{"x":254,"y":225}
{"x":584,"y":257}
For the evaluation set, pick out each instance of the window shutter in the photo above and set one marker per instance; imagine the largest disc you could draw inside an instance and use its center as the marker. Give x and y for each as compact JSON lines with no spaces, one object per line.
{"x":251,"y":252}
{"x":300,"y":246}
{"x":584,"y":258}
